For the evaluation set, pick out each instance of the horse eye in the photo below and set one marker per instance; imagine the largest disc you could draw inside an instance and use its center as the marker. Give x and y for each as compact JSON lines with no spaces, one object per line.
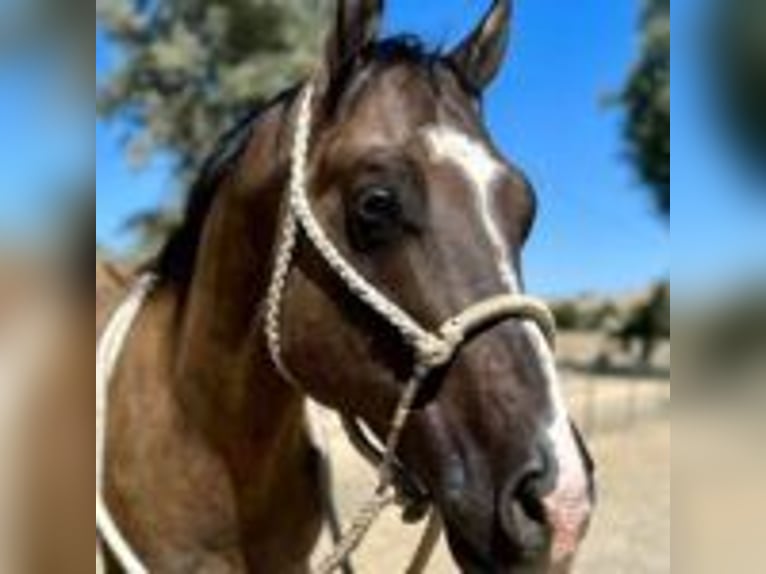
{"x":375,"y":217}
{"x":377,"y":205}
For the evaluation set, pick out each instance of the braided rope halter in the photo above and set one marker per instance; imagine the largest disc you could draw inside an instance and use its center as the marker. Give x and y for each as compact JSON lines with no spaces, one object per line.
{"x":432,"y":350}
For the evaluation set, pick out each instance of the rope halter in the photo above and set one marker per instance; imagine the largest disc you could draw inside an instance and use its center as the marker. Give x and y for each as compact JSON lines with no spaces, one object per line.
{"x":432,"y":350}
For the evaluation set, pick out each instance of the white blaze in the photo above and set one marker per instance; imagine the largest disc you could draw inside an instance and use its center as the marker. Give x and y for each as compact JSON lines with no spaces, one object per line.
{"x":482,"y":170}
{"x":569,"y":506}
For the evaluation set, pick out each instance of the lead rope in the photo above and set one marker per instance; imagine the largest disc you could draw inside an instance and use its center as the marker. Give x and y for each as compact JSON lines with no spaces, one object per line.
{"x":432,"y":351}
{"x":108,"y":351}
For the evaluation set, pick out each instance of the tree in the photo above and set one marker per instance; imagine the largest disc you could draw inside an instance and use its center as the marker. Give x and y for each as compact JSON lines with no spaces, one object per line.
{"x":646,"y":100}
{"x":192,"y":67}
{"x":739,"y":53}
{"x":152,"y":226}
{"x":647,"y":322}
{"x":53,"y":27}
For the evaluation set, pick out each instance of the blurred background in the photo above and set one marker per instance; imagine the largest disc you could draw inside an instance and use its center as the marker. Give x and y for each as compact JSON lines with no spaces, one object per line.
{"x":583,"y":106}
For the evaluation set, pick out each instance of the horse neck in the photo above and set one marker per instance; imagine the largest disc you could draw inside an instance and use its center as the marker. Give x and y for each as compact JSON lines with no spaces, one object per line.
{"x":225,"y":378}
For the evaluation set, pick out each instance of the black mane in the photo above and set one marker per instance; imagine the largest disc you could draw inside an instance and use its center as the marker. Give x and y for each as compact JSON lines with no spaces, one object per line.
{"x":404,"y":48}
{"x":397,"y":50}
{"x":407,"y":49}
{"x":176,"y":260}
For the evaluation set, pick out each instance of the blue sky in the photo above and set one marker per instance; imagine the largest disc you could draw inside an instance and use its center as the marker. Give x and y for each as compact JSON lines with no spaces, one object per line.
{"x":45,"y":145}
{"x":597,"y":231}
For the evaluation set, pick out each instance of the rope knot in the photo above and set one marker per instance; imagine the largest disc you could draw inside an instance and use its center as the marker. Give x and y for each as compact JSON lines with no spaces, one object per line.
{"x":434,"y":352}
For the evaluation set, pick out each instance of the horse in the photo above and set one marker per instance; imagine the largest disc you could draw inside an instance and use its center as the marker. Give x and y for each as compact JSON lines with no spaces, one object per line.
{"x":208,"y":463}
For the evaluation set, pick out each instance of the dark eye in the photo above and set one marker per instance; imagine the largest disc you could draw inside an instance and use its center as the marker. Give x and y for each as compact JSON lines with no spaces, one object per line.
{"x":378,"y":205}
{"x":375,"y":217}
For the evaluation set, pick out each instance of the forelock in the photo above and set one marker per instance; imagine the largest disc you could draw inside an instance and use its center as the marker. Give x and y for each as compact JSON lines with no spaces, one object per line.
{"x":428,"y":64}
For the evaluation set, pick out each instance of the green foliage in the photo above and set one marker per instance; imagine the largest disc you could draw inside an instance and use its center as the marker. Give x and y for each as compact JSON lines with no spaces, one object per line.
{"x":57,"y":33}
{"x":647,"y":322}
{"x":726,"y":337}
{"x":30,"y":24}
{"x":739,"y":52}
{"x":646,"y":99}
{"x":152,"y":227}
{"x":567,"y":316}
{"x":579,"y":316}
{"x":190,"y":68}
{"x":660,"y":307}
{"x":650,"y":317}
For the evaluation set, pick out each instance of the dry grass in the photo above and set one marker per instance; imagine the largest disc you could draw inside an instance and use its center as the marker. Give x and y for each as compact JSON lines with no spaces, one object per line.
{"x":631,"y":531}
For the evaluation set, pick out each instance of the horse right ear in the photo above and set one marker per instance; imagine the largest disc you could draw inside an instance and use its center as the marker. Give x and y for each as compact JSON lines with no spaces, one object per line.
{"x":356,"y":26}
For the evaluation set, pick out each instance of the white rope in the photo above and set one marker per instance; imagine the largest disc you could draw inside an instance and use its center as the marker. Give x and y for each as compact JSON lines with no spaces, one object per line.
{"x":107,"y":355}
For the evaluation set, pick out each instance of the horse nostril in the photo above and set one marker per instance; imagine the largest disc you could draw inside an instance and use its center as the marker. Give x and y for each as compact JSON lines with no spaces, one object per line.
{"x":530,"y":497}
{"x":522,"y":512}
{"x":529,"y":538}
{"x":523,"y":518}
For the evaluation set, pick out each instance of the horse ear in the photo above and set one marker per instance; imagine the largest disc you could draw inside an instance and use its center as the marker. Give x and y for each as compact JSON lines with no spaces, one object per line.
{"x":479,"y":57}
{"x":357,"y":25}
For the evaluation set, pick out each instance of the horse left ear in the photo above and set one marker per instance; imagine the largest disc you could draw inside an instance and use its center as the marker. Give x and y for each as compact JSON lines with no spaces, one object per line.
{"x":357,"y":25}
{"x":479,"y":57}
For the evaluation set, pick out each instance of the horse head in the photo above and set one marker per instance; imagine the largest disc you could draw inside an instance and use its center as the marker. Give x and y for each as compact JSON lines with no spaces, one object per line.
{"x":414,"y":195}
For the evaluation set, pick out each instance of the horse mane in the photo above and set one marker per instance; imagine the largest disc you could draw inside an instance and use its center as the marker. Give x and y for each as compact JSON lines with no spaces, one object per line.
{"x":403,"y":49}
{"x":175,"y":262}
{"x":176,"y":259}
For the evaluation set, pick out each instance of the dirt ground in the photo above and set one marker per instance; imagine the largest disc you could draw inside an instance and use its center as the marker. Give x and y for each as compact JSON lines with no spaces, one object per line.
{"x":628,"y":426}
{"x":631,"y":530}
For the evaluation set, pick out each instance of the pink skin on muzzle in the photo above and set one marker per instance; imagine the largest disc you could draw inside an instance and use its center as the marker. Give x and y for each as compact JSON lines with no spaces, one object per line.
{"x":569,"y":507}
